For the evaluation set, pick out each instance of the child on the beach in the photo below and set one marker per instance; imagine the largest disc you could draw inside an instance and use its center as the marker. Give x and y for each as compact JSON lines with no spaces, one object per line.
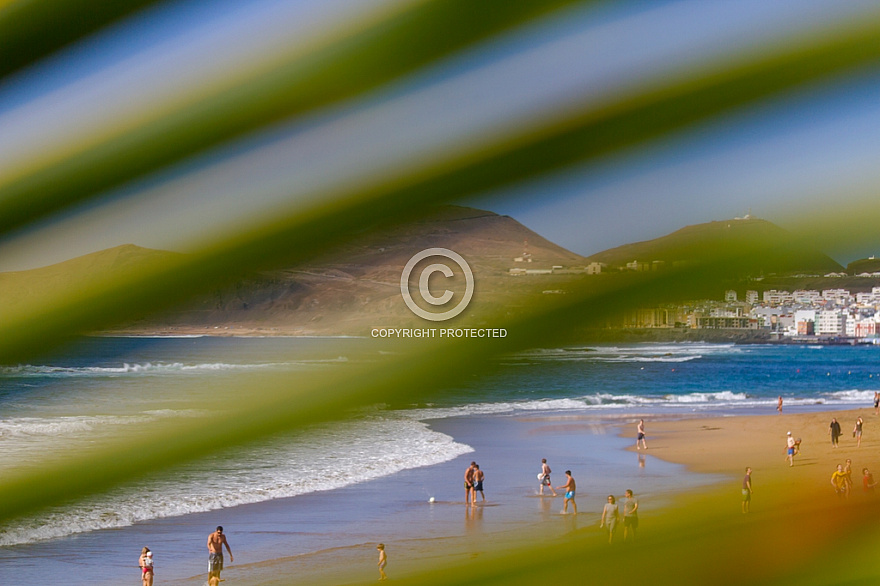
{"x":383,"y":561}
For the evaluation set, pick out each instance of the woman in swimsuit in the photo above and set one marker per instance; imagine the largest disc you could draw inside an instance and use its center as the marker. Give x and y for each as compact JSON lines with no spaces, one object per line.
{"x":145,"y":562}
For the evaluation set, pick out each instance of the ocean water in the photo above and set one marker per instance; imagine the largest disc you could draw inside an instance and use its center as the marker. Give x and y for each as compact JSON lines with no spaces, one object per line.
{"x":102,"y":385}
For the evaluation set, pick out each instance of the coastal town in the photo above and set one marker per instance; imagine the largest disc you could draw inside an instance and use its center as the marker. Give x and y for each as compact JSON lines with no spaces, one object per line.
{"x":830,"y":315}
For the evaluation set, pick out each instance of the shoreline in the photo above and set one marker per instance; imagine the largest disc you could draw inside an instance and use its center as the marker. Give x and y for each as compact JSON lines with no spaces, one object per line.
{"x":689,"y":454}
{"x":691,"y":442}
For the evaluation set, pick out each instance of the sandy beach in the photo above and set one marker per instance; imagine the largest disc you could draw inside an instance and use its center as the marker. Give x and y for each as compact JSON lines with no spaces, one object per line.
{"x":790,"y":504}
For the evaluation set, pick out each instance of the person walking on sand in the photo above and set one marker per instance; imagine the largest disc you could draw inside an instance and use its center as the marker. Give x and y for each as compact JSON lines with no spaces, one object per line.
{"x":216,"y":541}
{"x":857,"y":432}
{"x":789,"y":449}
{"x":835,"y":431}
{"x":570,"y":488}
{"x":468,"y":482}
{"x":876,"y":402}
{"x":545,"y":477}
{"x":779,"y":405}
{"x":630,"y":515}
{"x":640,"y":435}
{"x":747,"y":491}
{"x":145,"y":562}
{"x":610,"y":514}
{"x":478,"y":477}
{"x":838,"y":481}
{"x":383,"y":561}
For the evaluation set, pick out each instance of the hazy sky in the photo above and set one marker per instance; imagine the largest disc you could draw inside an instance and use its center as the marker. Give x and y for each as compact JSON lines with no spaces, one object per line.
{"x":782,"y":159}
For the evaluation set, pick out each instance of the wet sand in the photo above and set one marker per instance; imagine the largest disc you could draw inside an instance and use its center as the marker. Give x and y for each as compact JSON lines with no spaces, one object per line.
{"x":790,"y":503}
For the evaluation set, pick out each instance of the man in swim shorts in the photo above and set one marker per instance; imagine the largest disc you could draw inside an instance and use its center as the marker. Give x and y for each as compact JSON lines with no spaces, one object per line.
{"x":478,"y":484}
{"x":570,"y":488}
{"x":469,"y":482}
{"x":789,"y":449}
{"x":216,"y":541}
{"x":545,"y":478}
{"x":640,"y":435}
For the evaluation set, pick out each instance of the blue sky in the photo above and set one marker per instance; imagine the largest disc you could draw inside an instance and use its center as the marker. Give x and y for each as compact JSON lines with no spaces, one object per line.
{"x":783,"y":159}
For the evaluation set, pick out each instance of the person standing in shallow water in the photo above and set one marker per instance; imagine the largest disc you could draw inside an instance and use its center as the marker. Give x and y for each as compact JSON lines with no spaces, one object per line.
{"x":779,"y":405}
{"x":545,"y":478}
{"x":570,"y":489}
{"x":216,"y":541}
{"x":469,"y":482}
{"x":478,"y":478}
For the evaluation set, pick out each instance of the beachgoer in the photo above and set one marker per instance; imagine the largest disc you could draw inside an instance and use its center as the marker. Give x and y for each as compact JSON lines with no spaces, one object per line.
{"x":835,"y":431}
{"x":216,"y":541}
{"x":868,"y":483}
{"x":570,"y":489}
{"x":847,"y":470}
{"x":857,"y":432}
{"x":779,"y":405}
{"x":630,"y":515}
{"x":383,"y":561}
{"x":469,"y":482}
{"x":640,"y":435}
{"x":838,"y":481}
{"x":747,"y":491}
{"x":876,"y":402}
{"x":148,"y":569}
{"x":545,"y":477}
{"x":478,"y":484}
{"x":146,"y":566}
{"x":610,"y":514}
{"x":789,"y":449}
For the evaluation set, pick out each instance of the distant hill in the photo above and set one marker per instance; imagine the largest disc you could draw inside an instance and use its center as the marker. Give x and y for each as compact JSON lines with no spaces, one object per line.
{"x":357,"y":286}
{"x":69,"y":275}
{"x":864,"y":265}
{"x":778,"y":251}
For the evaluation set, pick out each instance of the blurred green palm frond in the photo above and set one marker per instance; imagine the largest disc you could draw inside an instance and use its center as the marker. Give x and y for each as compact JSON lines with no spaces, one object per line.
{"x":401,"y":39}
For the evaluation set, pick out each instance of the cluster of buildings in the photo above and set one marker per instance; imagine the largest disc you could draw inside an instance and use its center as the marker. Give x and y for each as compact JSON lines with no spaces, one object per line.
{"x":832,"y":314}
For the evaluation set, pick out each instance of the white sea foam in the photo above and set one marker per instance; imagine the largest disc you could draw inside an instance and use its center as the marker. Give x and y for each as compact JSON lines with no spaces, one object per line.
{"x":28,"y":370}
{"x":682,"y":352}
{"x":324,"y":458}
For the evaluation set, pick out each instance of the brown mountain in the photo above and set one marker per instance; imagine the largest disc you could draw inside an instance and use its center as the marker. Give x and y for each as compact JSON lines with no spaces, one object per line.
{"x":357,"y":287}
{"x":774,"y":249}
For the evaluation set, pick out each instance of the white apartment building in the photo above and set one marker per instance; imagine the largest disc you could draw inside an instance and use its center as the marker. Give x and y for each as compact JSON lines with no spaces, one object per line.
{"x":871,"y":298}
{"x":730,"y":296}
{"x":752,"y":297}
{"x":807,"y":297}
{"x":774,"y":297}
{"x":831,"y":322}
{"x":837,"y":296}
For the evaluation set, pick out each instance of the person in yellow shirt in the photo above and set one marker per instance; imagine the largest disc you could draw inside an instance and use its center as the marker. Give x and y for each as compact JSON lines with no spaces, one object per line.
{"x":838,"y":481}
